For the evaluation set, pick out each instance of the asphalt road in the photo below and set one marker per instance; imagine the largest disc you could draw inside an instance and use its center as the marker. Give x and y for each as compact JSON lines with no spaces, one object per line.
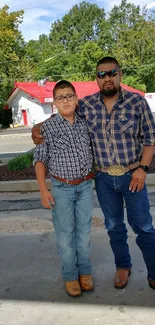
{"x":12,"y":145}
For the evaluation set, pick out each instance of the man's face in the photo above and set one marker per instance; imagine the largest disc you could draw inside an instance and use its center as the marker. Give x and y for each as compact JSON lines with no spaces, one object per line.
{"x":65,"y":101}
{"x":108,"y":84}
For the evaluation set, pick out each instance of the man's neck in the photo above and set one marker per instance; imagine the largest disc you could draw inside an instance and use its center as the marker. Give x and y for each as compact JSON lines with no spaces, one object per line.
{"x":111,"y":101}
{"x":112,"y":98}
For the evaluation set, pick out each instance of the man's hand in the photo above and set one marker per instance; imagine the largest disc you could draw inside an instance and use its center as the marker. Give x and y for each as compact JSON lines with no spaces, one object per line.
{"x":36,"y":135}
{"x":47,"y":199}
{"x":138,"y":180}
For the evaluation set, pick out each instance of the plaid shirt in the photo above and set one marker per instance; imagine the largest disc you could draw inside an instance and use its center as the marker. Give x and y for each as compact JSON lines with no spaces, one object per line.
{"x":118,"y":138}
{"x":66,"y":150}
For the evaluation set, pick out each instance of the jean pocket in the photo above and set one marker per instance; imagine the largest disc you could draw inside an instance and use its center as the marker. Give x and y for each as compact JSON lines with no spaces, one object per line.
{"x":130,"y":172}
{"x":97,"y":174}
{"x":56,"y":182}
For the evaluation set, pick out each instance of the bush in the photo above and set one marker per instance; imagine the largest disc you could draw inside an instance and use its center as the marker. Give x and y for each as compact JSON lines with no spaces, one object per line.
{"x":21,"y":162}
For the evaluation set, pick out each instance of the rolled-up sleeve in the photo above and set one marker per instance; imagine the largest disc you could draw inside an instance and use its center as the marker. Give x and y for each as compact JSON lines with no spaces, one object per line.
{"x":41,"y":153}
{"x":147,"y":129}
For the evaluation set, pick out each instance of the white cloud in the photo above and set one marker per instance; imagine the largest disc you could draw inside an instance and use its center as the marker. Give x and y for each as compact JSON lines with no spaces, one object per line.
{"x":150,"y":5}
{"x":38,"y":15}
{"x":110,"y":4}
{"x":33,"y":25}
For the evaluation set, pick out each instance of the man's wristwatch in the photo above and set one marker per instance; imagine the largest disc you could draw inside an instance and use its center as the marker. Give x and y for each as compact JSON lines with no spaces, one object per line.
{"x":145,"y":168}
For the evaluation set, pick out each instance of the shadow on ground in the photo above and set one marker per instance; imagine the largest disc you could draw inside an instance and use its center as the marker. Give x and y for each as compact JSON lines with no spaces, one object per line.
{"x":30,"y":271}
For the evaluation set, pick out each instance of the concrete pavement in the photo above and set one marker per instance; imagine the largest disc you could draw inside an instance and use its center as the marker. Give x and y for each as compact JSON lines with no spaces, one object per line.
{"x":32,"y":185}
{"x":19,"y":130}
{"x":31,"y":289}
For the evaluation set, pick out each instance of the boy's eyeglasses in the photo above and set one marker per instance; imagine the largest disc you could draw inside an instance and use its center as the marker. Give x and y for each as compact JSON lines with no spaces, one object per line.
{"x":68,"y":97}
{"x":109,"y":73}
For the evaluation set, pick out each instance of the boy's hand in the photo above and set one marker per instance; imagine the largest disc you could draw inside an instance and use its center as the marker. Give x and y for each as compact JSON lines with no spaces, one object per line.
{"x":36,"y":135}
{"x":47,"y":199}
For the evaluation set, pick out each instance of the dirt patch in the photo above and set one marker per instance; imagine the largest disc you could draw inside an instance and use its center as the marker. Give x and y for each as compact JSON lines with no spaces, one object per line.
{"x":26,"y":174}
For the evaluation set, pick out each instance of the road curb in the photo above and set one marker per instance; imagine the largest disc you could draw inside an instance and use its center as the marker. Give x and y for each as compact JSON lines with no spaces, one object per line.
{"x":22,"y":186}
{"x":15,"y":135}
{"x":32,"y":185}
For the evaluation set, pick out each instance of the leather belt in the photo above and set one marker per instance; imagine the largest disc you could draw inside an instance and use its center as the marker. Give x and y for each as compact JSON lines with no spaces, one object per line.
{"x":117,"y":170}
{"x":75,"y":181}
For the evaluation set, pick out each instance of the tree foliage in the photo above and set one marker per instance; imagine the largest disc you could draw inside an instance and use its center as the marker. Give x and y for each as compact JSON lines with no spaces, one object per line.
{"x":75,"y":44}
{"x":12,"y":51}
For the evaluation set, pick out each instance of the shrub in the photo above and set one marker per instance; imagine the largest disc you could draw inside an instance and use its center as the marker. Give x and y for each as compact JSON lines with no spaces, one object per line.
{"x":21,"y":162}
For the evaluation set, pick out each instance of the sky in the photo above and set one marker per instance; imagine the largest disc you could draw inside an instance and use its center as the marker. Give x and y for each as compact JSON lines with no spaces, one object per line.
{"x":39,"y":14}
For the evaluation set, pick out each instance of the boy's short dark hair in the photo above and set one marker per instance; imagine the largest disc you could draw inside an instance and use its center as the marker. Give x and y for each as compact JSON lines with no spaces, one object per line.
{"x":108,"y":59}
{"x":61,"y":85}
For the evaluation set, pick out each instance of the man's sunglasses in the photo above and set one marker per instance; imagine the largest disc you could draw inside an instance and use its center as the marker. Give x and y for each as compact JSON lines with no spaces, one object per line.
{"x":109,"y":73}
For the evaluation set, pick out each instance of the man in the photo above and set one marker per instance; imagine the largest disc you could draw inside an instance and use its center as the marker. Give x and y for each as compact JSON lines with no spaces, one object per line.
{"x":67,"y":153}
{"x":122,"y":132}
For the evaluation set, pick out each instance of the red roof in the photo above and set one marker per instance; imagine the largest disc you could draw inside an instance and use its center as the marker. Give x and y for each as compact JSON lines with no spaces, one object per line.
{"x":43,"y":93}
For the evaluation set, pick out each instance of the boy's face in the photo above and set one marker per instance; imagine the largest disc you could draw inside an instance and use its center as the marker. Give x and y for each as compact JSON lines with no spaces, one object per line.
{"x":65,"y":101}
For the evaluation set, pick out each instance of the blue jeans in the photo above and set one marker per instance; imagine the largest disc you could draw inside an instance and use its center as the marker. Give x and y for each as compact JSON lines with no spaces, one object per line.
{"x":72,"y":218}
{"x":111,"y":192}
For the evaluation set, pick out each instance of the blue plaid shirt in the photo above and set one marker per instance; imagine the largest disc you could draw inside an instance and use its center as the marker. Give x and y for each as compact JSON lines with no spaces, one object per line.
{"x":118,"y":138}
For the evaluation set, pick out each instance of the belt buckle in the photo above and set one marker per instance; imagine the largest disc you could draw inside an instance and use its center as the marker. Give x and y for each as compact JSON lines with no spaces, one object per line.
{"x":116,"y":170}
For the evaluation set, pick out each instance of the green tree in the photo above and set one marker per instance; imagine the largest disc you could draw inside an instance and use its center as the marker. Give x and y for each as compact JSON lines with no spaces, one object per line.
{"x":11,"y":50}
{"x":133,"y":42}
{"x":134,"y":82}
{"x":80,"y":25}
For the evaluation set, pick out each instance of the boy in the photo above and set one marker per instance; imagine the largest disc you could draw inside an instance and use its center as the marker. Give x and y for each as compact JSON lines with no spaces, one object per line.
{"x":67,"y":153}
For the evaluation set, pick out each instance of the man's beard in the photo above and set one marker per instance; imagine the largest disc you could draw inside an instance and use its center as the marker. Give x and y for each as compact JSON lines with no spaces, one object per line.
{"x":109,"y":92}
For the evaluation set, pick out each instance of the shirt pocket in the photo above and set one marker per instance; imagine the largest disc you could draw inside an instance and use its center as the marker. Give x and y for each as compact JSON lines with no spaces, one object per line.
{"x":92,"y":123}
{"x":126,"y":123}
{"x":61,"y":142}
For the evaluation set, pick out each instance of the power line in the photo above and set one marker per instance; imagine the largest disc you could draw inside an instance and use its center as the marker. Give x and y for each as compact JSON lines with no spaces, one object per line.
{"x":124,"y":67}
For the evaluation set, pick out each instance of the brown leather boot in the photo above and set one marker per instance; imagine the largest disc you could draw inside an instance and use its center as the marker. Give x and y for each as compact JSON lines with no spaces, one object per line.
{"x":86,"y":282}
{"x":73,"y":288}
{"x":151,"y":284}
{"x":121,"y":278}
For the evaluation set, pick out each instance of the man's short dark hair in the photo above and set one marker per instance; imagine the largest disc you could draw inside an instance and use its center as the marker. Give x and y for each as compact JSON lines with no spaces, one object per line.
{"x":61,"y":85}
{"x":108,"y":59}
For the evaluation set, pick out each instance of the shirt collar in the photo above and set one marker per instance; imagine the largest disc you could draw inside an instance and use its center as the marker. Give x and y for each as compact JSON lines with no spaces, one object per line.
{"x":62,"y":119}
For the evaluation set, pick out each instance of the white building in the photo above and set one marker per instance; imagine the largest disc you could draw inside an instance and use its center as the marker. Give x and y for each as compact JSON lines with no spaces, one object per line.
{"x":150,"y":97}
{"x":32,"y":103}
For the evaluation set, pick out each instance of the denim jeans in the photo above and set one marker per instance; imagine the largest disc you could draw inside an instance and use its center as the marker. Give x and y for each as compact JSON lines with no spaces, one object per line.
{"x":72,"y":218}
{"x":112,"y":191}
